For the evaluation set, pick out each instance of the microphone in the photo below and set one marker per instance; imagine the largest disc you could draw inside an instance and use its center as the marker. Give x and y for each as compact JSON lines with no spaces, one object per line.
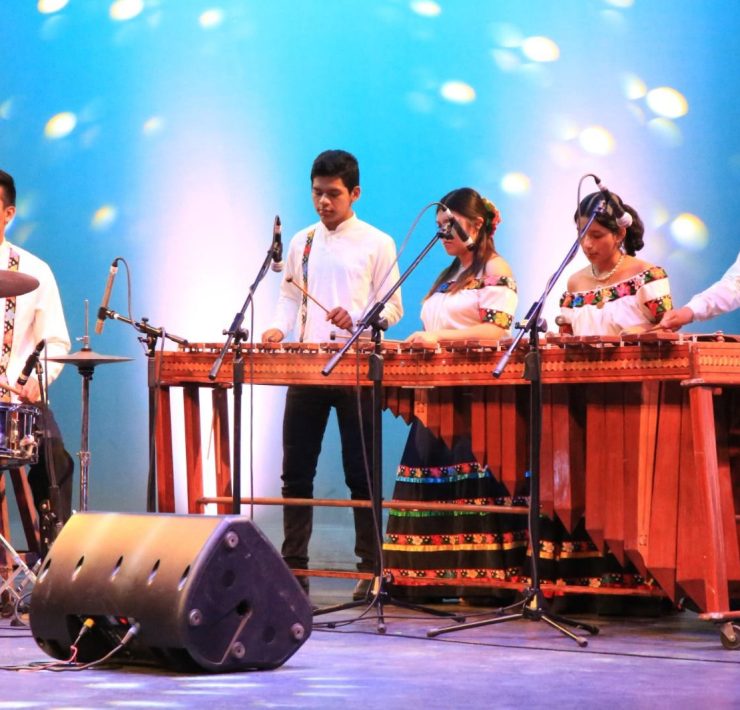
{"x":31,"y":361}
{"x":106,"y":297}
{"x":277,"y":246}
{"x":461,"y":233}
{"x":623,"y":218}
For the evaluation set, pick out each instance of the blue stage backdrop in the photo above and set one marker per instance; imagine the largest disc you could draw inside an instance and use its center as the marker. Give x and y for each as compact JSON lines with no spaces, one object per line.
{"x":170,"y":132}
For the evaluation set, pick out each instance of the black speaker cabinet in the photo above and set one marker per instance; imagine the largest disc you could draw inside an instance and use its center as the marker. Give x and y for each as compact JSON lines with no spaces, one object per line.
{"x":206,"y":592}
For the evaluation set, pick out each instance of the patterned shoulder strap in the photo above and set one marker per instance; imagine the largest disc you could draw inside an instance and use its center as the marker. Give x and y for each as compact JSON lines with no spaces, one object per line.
{"x":304,"y":268}
{"x":14,"y":261}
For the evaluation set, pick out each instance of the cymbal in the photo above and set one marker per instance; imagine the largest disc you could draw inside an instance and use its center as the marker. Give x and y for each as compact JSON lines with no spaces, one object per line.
{"x":89,"y":358}
{"x":14,"y":283}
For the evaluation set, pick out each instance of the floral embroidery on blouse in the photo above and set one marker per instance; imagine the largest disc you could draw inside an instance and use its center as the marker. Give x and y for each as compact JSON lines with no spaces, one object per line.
{"x":499,"y":318}
{"x":624,"y":288}
{"x":479,"y":283}
{"x":658,"y":306}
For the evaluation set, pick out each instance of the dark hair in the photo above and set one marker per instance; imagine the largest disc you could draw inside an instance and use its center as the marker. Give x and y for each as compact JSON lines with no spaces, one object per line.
{"x":633,"y":241}
{"x":470,"y":204}
{"x":8,"y":185}
{"x":337,"y":163}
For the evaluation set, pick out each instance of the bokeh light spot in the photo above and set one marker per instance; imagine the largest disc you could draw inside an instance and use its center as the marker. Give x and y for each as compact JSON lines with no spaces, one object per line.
{"x":667,"y":131}
{"x":564,"y":128}
{"x":667,"y":102}
{"x":507,"y":36}
{"x":458,"y":92}
{"x":620,"y":3}
{"x":153,"y":125}
{"x":121,"y":10}
{"x":427,"y":8}
{"x":60,"y":125}
{"x":541,"y":49}
{"x":211,"y":18}
{"x":104,"y":216}
{"x":596,"y":140}
{"x":6,"y":109}
{"x":690,"y":232}
{"x":658,"y":216}
{"x":634,"y":87}
{"x":506,"y":60}
{"x":515,"y":183}
{"x":46,"y":7}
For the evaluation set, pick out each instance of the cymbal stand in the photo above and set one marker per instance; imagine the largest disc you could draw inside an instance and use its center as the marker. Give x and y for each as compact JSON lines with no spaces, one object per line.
{"x":380,"y":597}
{"x":534,"y":607}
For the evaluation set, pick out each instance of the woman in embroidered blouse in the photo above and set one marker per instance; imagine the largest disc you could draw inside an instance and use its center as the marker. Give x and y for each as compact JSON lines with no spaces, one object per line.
{"x":473,"y":298}
{"x":617,"y":292}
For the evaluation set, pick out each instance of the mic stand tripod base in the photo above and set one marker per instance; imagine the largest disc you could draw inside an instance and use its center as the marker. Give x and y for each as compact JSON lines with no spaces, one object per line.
{"x":533,"y":609}
{"x":377,"y":598}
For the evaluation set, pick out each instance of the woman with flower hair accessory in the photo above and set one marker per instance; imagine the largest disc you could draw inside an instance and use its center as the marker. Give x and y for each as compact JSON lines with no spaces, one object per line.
{"x":433,"y":554}
{"x":616,"y":293}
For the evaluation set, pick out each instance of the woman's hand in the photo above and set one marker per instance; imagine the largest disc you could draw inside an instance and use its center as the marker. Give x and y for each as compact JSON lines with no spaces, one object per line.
{"x":422,"y":337}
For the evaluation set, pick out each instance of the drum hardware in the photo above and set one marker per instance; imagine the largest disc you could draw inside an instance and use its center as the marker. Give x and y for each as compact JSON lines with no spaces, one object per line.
{"x":19,"y":434}
{"x":18,"y":584}
{"x":86,"y":360}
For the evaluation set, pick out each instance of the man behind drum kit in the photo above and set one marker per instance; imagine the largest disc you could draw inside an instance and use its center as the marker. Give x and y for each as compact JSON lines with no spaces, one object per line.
{"x":29,"y":319}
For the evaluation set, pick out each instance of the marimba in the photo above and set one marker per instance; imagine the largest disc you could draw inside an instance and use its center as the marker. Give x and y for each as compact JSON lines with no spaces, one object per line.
{"x":641,"y":434}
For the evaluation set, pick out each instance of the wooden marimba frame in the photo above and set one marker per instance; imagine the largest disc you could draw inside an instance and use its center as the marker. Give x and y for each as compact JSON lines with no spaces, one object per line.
{"x":641,"y":435}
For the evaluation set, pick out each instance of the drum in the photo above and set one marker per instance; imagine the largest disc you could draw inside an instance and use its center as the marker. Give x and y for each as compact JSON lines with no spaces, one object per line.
{"x":19,"y":434}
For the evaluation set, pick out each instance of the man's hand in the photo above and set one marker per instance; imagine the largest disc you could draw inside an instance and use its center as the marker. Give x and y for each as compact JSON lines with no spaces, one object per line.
{"x":675,"y":319}
{"x":31,"y":391}
{"x":340,"y":318}
{"x":273,"y":335}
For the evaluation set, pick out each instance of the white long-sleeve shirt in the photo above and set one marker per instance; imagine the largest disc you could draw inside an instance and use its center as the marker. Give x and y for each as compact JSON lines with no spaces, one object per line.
{"x":721,"y":297}
{"x":347,"y":267}
{"x":38,"y":315}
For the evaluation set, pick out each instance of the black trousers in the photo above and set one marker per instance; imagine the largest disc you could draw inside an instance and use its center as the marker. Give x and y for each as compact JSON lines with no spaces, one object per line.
{"x":38,"y":474}
{"x":307,"y":411}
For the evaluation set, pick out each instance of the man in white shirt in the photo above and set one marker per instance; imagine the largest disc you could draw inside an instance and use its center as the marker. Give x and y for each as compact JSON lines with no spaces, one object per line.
{"x":29,"y":319}
{"x":346,"y":265}
{"x":721,"y":297}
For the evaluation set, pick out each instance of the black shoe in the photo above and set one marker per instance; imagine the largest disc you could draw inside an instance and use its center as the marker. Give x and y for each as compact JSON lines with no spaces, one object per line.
{"x":362,"y":589}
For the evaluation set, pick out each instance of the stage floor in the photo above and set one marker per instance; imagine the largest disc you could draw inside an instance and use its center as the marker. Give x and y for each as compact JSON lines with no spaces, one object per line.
{"x":674,"y":661}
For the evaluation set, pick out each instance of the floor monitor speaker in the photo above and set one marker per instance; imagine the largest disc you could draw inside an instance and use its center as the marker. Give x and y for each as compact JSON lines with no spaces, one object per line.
{"x":202,"y":592}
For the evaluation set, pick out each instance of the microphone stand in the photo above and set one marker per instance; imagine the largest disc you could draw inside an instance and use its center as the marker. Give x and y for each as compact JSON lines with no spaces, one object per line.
{"x":236,"y":335}
{"x":380,"y":595}
{"x":150,"y":339}
{"x":534,"y":607}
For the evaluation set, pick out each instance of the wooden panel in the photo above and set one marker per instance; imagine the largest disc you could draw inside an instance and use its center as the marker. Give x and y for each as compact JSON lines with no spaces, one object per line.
{"x":613,"y":497}
{"x":547,"y":498}
{"x":597,"y":482}
{"x":494,"y":444}
{"x":569,"y":454}
{"x":163,"y":438}
{"x":221,"y":447}
{"x":633,"y":403}
{"x":193,"y":448}
{"x":702,"y":570}
{"x":673,"y":427}
{"x":479,"y":425}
